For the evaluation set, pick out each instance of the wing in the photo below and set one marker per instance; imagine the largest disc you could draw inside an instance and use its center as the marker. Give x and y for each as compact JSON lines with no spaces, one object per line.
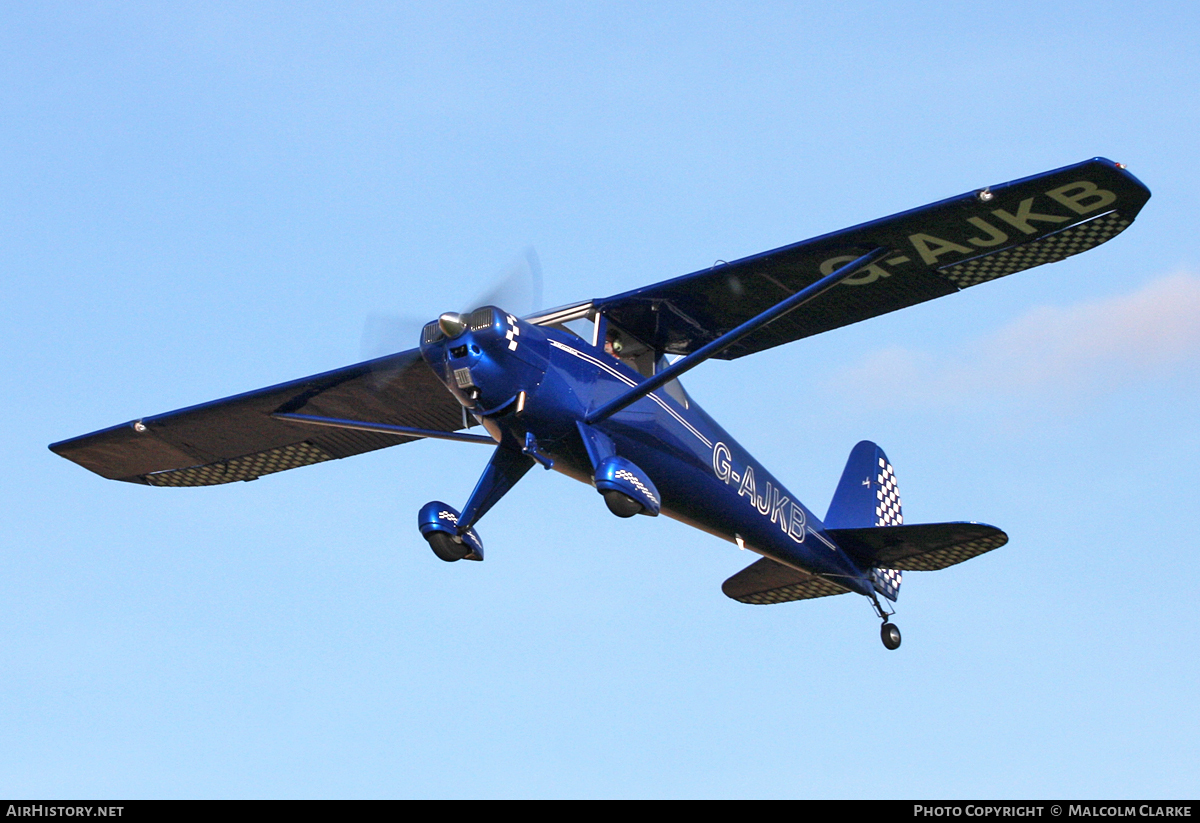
{"x":765,"y":581}
{"x":923,"y":547}
{"x":938,"y":250}
{"x":238,"y":439}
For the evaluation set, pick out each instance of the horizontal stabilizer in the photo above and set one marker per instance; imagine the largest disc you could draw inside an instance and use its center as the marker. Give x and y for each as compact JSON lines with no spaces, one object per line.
{"x":923,"y":547}
{"x":766,"y":581}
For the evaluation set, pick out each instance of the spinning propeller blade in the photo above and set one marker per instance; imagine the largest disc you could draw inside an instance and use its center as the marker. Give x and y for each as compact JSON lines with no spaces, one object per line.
{"x":516,"y":288}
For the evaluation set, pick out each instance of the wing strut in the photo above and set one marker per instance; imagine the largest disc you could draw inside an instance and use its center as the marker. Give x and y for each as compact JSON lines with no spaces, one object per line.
{"x":730,"y":337}
{"x":383,"y":428}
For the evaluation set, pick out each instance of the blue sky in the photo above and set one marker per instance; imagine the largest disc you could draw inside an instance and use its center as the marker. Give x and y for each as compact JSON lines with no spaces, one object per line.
{"x":200,"y":200}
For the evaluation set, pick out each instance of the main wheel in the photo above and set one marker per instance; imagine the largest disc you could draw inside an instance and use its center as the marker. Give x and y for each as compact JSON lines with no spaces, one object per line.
{"x":445,"y":547}
{"x":621,"y":504}
{"x":890,"y":636}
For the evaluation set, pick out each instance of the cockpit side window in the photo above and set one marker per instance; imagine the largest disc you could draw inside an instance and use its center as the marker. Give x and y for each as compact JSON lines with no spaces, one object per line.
{"x":581,"y":328}
{"x":673,"y":387}
{"x":642,"y":359}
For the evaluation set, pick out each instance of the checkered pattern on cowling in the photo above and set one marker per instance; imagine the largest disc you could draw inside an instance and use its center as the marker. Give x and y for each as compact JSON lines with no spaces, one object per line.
{"x":809,"y":589}
{"x":949,"y":556}
{"x":886,"y":582}
{"x":247,"y":467}
{"x":1049,"y":249}
{"x":512,"y":333}
{"x":887,"y":496}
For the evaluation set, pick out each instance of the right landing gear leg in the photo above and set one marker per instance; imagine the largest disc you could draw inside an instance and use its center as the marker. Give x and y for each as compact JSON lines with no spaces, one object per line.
{"x":888,"y":632}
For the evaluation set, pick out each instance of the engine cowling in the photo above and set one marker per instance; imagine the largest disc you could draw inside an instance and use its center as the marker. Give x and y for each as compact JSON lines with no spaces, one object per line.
{"x":485,"y":358}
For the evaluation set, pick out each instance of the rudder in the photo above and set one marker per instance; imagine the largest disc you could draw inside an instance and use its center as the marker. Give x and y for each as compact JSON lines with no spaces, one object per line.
{"x":867,"y":493}
{"x":867,"y":496}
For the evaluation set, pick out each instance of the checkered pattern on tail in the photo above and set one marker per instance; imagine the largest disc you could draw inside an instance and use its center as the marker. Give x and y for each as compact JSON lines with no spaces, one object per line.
{"x":887,"y":513}
{"x":765,"y":581}
{"x":808,"y":590}
{"x":886,"y":582}
{"x":867,"y":497}
{"x":951,"y":555}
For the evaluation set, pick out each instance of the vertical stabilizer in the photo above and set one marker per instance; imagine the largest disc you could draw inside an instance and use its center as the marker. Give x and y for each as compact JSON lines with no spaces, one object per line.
{"x":867,"y":496}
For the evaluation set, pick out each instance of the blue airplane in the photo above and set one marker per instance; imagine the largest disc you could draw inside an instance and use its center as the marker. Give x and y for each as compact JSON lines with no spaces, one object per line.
{"x":589,"y":390}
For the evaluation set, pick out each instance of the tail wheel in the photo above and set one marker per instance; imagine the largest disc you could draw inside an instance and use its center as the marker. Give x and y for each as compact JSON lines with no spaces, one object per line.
{"x":890,"y":636}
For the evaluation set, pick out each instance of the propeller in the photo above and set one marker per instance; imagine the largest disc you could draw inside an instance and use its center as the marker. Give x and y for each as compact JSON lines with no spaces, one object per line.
{"x":517,"y":288}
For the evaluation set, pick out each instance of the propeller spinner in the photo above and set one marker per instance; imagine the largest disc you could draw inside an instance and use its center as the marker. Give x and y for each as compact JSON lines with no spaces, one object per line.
{"x":452,"y":324}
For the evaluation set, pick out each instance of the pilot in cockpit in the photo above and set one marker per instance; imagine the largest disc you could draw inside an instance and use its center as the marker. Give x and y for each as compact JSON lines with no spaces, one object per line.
{"x":612,"y":344}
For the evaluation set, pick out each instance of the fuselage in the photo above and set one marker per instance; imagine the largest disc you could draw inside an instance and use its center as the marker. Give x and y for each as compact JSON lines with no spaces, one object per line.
{"x":519,"y":379}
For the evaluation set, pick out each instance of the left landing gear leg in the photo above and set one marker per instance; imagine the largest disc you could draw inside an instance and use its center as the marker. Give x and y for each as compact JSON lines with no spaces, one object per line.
{"x":502,"y":473}
{"x":449,"y":533}
{"x":888,"y":632}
